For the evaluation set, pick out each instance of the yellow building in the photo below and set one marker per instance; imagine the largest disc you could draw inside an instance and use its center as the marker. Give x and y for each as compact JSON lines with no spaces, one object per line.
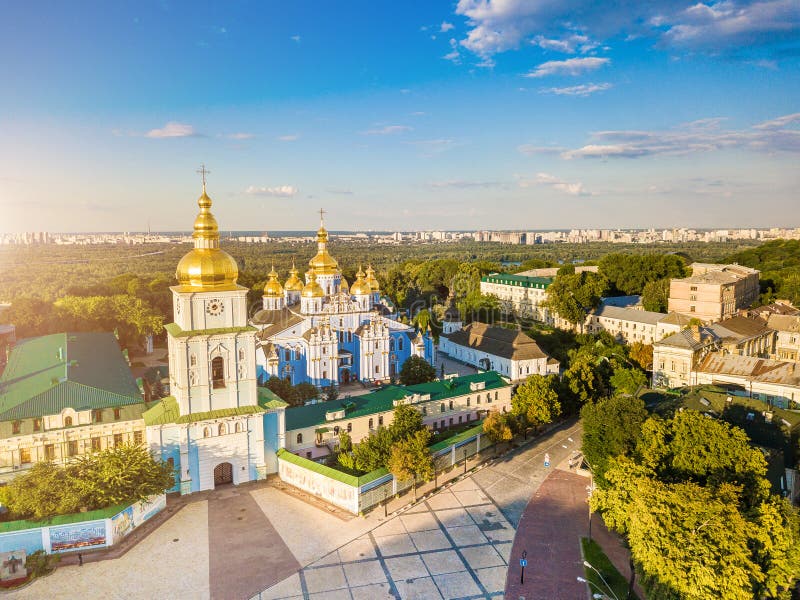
{"x":714,"y":292}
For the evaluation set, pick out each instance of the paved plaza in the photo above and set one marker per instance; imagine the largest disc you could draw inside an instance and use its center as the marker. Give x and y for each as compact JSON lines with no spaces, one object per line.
{"x":257,"y":541}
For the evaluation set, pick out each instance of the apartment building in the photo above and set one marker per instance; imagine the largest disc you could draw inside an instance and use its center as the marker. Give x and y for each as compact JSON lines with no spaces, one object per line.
{"x":787,"y":340}
{"x":629,"y":325}
{"x":714,"y":292}
{"x":523,"y":294}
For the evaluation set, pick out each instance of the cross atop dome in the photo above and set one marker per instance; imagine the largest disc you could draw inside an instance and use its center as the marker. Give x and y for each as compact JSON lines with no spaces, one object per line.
{"x":321,"y":216}
{"x":203,"y":172}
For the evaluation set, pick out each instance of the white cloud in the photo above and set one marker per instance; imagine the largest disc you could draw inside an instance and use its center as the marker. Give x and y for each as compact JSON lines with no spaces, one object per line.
{"x":240,"y":136}
{"x":387,"y":130}
{"x":464,"y":184}
{"x":288,"y":138}
{"x":571,"y":66}
{"x":446,"y":27}
{"x":577,"y":90}
{"x":573,"y":189}
{"x":568,"y":45}
{"x":531,"y":149}
{"x":296,"y":38}
{"x":172,"y":129}
{"x":281,"y":191}
{"x":705,"y":135}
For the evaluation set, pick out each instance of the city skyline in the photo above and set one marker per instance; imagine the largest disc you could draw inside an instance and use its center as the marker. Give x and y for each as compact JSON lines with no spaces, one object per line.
{"x":467,"y":116}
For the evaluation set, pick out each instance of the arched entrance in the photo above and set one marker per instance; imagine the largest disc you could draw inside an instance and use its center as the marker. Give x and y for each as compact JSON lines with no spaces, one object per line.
{"x":345,"y":375}
{"x":223,"y":473}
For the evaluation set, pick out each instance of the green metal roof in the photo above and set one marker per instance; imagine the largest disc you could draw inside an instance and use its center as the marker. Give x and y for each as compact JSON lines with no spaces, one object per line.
{"x":175,"y":330}
{"x":518,"y":280}
{"x":284,"y":454}
{"x":82,"y":371}
{"x":269,"y":400}
{"x":382,"y":400}
{"x":167,"y":411}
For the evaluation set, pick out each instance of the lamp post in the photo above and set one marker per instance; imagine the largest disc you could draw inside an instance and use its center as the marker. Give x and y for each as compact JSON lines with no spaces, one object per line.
{"x":586,"y":563}
{"x":596,"y":595}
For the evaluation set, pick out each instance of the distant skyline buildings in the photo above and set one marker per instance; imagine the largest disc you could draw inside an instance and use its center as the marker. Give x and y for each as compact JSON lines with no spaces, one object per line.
{"x":479,"y":114}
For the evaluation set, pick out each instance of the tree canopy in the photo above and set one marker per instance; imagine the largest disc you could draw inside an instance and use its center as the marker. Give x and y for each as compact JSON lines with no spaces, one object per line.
{"x":628,"y":274}
{"x":416,"y":370}
{"x":572,"y":296}
{"x":536,"y":400}
{"x":411,"y":459}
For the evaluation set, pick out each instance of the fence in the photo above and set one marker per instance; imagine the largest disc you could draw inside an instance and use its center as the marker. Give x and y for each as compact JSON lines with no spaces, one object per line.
{"x":83,"y":531}
{"x":360,"y":494}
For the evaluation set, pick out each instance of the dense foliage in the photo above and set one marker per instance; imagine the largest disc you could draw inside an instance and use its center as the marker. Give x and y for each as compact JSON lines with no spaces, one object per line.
{"x":536,"y":401}
{"x":416,"y":370}
{"x":628,"y":274}
{"x":374,"y":451}
{"x":497,"y":428}
{"x":295,"y":395}
{"x":573,"y":295}
{"x":124,"y":474}
{"x":779,"y":263}
{"x":411,"y":459}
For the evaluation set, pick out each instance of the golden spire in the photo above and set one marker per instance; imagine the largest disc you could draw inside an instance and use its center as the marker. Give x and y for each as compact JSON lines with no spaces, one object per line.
{"x":371,"y":280}
{"x":360,"y":287}
{"x":323,"y":263}
{"x":206,"y":267}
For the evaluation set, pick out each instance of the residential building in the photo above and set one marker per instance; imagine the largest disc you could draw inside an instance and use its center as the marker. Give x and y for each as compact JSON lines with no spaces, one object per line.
{"x":675,"y":357}
{"x":63,"y":396}
{"x":519,"y":293}
{"x":313,"y":430}
{"x":509,"y":352}
{"x":787,"y":342}
{"x":745,"y":336}
{"x":629,"y":325}
{"x":714,"y":292}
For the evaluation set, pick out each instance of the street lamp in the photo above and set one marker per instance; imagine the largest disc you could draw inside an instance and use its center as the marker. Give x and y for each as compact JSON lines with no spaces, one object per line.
{"x":596,"y":595}
{"x":586,"y":563}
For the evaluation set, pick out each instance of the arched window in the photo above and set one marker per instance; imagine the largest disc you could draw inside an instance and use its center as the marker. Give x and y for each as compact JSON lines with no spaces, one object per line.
{"x":218,"y":372}
{"x":171,"y":462}
{"x":380,"y":420}
{"x":371,"y":422}
{"x":336,"y":430}
{"x":441,"y":407}
{"x":241,"y":353}
{"x":206,"y":432}
{"x":222,"y":430}
{"x":400,"y":344}
{"x":299,"y":438}
{"x":238,"y":427}
{"x":391,"y":344}
{"x":67,"y":421}
{"x":495,"y":395}
{"x":349,"y":427}
{"x":192,"y":360}
{"x":467,"y":400}
{"x":451,"y":405}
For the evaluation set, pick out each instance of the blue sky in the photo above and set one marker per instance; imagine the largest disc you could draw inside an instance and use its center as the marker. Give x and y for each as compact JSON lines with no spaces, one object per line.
{"x":505,"y":114}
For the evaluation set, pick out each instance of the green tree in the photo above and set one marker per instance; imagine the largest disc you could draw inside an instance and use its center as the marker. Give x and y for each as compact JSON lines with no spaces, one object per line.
{"x":536,"y":400}
{"x":411,"y":459}
{"x":373,"y":451}
{"x":584,"y":378}
{"x":345,"y":442}
{"x":497,"y":429}
{"x":572,"y":296}
{"x":655,"y":295}
{"x":124,"y":474}
{"x":630,"y":273}
{"x":642,"y":354}
{"x":416,"y":370}
{"x":422,"y":319}
{"x":42,"y":492}
{"x":330,"y":393}
{"x":406,"y":421}
{"x":775,"y":541}
{"x":611,"y":427}
{"x":627,"y":380}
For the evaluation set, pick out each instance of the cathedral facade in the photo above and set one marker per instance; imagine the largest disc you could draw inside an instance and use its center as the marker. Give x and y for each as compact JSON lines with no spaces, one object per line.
{"x":323,"y":331}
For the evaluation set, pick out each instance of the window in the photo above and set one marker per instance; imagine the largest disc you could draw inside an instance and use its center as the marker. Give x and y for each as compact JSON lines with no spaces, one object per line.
{"x":693,"y":288}
{"x":16,"y":427}
{"x":336,"y":430}
{"x":206,"y":432}
{"x":24,"y":455}
{"x":459,"y":419}
{"x":49,"y":452}
{"x":324,"y":349}
{"x":391,"y":345}
{"x":171,"y":462}
{"x":37,"y":424}
{"x":376,"y":346}
{"x":441,"y":407}
{"x":95,"y":444}
{"x":451,"y":421}
{"x":287,"y":355}
{"x":192,"y":360}
{"x":495,"y":395}
{"x":488,"y":398}
{"x":117,"y":439}
{"x":138,"y":438}
{"x":691,"y":309}
{"x":97,"y":416}
{"x":478,"y":399}
{"x":441,"y":424}
{"x":238,"y":427}
{"x":451,"y":405}
{"x":72,"y":447}
{"x":349,"y":427}
{"x":299,"y":438}
{"x":67,"y":421}
{"x":424,"y":411}
{"x":371,"y":422}
{"x":693,"y":297}
{"x":117,"y":413}
{"x":380,"y":420}
{"x":222,"y":429}
{"x":324,"y":374}
{"x":377,"y":369}
{"x":241,"y":354}
{"x":400,"y":344}
{"x":218,"y":372}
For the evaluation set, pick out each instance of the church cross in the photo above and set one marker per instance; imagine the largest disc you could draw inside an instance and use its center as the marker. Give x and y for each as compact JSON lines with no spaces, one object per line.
{"x":203,"y":172}
{"x":321,"y":213}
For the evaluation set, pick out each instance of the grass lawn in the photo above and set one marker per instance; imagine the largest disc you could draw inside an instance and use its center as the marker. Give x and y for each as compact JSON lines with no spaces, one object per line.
{"x":594,"y":554}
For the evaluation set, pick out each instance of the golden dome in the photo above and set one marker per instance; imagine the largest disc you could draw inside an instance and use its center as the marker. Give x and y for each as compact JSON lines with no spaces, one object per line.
{"x":273,"y":288}
{"x":312,"y":288}
{"x":371,"y":280}
{"x":344,"y":286}
{"x":323,"y":263}
{"x":207,"y":267}
{"x":293,"y":284}
{"x":360,"y":287}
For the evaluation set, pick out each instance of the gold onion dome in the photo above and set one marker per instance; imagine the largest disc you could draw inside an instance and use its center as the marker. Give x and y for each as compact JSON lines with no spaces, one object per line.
{"x":323,"y":263}
{"x":371,"y":280}
{"x":360,"y":287}
{"x":344,"y":286}
{"x":207,"y":267}
{"x":293,"y":284}
{"x":312,"y":289}
{"x":273,"y":288}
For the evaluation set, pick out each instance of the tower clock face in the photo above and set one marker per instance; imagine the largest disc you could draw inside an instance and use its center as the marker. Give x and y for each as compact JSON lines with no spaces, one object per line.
{"x":214,"y":307}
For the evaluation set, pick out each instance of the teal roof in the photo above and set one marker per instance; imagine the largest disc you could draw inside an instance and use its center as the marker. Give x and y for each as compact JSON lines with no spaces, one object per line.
{"x":167,"y":411}
{"x":382,"y":400}
{"x":175,"y":330}
{"x":81,"y":371}
{"x":269,"y":400}
{"x":518,"y":280}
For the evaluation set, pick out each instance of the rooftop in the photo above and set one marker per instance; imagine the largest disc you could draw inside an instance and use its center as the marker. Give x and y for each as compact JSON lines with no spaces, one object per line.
{"x":518,"y":280}
{"x":382,"y":400}
{"x":82,"y":371}
{"x":758,"y":369}
{"x":497,"y":341}
{"x":687,"y":338}
{"x":629,"y":314}
{"x":739,"y":327}
{"x":790,"y":323}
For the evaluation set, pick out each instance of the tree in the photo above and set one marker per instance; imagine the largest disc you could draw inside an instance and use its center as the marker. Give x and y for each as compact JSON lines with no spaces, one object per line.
{"x":124,"y":474}
{"x":572,"y":296}
{"x":627,"y":380}
{"x":583,"y":378}
{"x":345,"y":442}
{"x":422,"y":319}
{"x":330,"y":393}
{"x":406,"y":421}
{"x":655,"y":295}
{"x":496,"y":428}
{"x":642,"y":354}
{"x":411,"y":459}
{"x":536,"y":401}
{"x":630,"y":273}
{"x":373,"y":451}
{"x":42,"y":492}
{"x":306,"y":391}
{"x":611,"y":427}
{"x":416,"y":370}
